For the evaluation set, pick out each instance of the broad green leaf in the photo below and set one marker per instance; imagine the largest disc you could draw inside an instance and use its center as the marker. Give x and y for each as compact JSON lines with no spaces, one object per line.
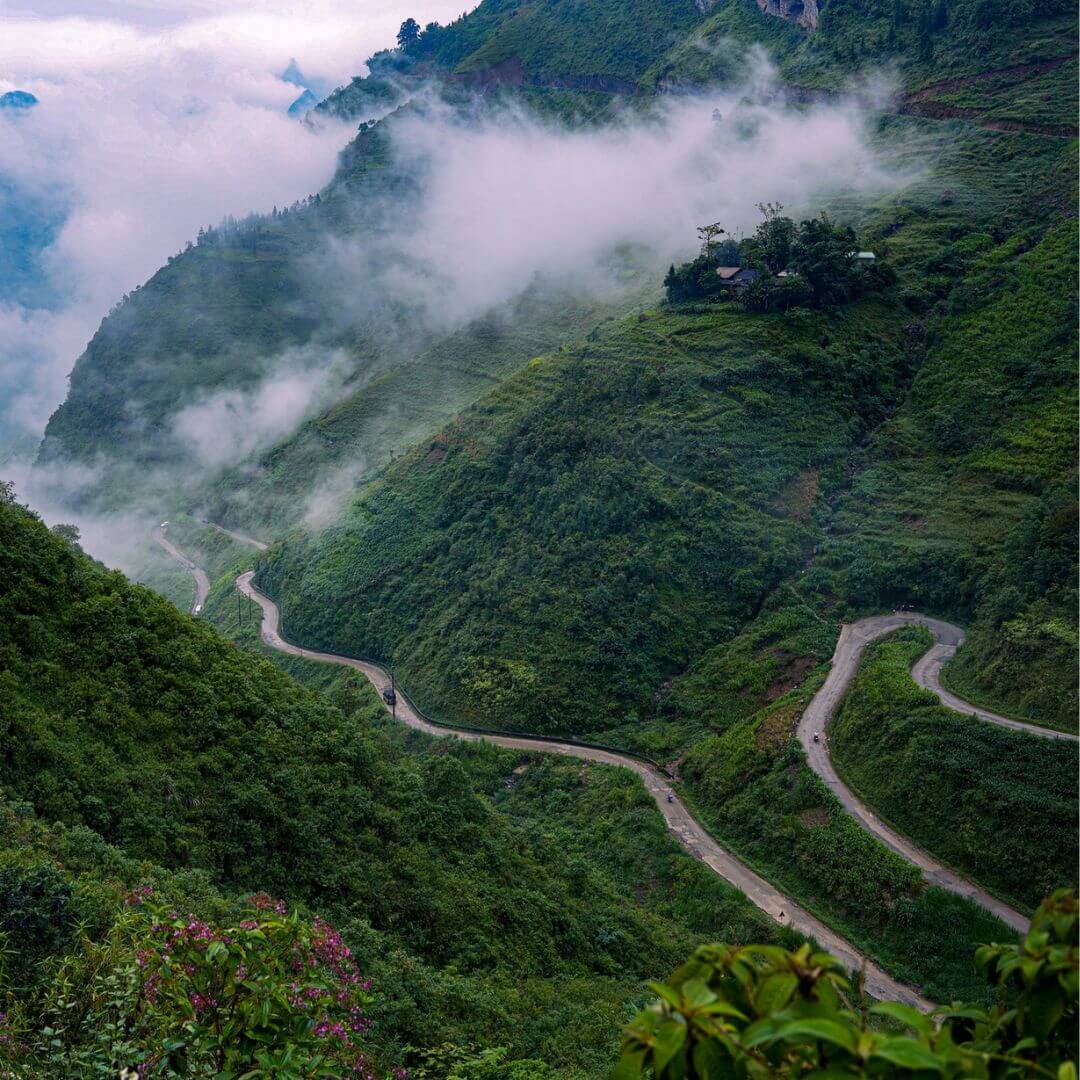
{"x":669,"y":1040}
{"x":697,"y":993}
{"x":830,"y":1031}
{"x":662,"y":990}
{"x":1045,"y":1008}
{"x":909,"y":1054}
{"x":905,"y":1014}
{"x":712,"y":1061}
{"x":629,"y":1066}
{"x":775,"y":992}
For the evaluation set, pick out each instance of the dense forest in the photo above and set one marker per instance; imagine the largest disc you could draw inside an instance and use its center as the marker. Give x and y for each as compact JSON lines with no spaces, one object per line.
{"x":465,"y":878}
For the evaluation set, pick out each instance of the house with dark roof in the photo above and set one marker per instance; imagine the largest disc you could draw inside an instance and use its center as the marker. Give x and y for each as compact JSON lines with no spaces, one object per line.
{"x":735,"y":278}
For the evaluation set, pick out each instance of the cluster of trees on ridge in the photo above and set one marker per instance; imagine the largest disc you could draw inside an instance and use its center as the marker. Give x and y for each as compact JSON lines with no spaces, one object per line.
{"x":809,"y":264}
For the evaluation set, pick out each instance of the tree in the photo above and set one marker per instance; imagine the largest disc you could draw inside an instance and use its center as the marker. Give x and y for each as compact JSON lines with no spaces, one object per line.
{"x":824,"y":254}
{"x":773,"y":238}
{"x":408,"y":35}
{"x":708,"y":234}
{"x":70,"y":533}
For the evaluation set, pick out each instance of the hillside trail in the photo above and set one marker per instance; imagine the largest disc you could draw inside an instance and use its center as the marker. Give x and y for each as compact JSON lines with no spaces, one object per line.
{"x":854,"y":638}
{"x":687,"y":830}
{"x":202,"y":582}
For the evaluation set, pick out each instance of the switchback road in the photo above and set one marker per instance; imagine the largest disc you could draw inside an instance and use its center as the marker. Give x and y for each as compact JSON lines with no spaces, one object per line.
{"x":693,"y":837}
{"x":687,"y":830}
{"x":202,"y":582}
{"x":854,"y":638}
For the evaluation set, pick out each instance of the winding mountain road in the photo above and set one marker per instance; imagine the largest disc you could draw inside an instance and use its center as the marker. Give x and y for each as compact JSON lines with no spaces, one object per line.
{"x":854,"y":638}
{"x":240,"y":537}
{"x":690,"y":833}
{"x":686,"y":828}
{"x":202,"y":582}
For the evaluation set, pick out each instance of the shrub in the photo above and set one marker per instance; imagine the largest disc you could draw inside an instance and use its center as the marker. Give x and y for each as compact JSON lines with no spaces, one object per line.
{"x":763,"y":1011}
{"x":270,"y":995}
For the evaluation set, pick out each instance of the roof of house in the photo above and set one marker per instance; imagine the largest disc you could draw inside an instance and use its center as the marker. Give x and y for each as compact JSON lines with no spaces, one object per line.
{"x":736,"y":274}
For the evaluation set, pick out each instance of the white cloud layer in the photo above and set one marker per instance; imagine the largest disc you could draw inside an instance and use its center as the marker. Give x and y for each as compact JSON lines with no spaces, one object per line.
{"x":513,"y":199}
{"x":156,"y":117}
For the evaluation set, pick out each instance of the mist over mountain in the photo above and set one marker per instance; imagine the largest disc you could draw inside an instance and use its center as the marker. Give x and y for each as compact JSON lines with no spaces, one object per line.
{"x":595,"y":506}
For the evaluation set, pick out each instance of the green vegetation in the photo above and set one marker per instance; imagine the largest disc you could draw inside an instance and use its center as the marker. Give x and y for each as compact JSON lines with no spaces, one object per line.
{"x":208,"y":308}
{"x":269,"y":994}
{"x":314,"y":474}
{"x":952,"y":783}
{"x":648,"y":536}
{"x":550,"y":559}
{"x":947,"y":54}
{"x":751,"y":786}
{"x":766,"y":1012}
{"x":602,"y":44}
{"x":817,"y":258}
{"x":495,"y":898}
{"x":966,"y":502}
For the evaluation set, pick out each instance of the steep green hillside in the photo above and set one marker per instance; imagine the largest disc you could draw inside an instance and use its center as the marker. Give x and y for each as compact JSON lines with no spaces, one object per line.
{"x":974,"y":58}
{"x":593,"y":44}
{"x":475,"y":894}
{"x":224,"y":312}
{"x":950,"y":782}
{"x":550,"y":559}
{"x":313,"y":474}
{"x":213,"y":318}
{"x":966,"y":502}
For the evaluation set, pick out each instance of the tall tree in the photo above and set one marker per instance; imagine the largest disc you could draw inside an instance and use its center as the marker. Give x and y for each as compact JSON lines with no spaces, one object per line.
{"x":409,"y":34}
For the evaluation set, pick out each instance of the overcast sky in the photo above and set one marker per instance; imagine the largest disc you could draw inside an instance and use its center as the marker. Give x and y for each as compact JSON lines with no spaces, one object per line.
{"x":156,"y":117}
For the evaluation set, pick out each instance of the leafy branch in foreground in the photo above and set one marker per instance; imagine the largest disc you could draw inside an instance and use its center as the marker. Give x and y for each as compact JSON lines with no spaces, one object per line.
{"x":761,"y":1011}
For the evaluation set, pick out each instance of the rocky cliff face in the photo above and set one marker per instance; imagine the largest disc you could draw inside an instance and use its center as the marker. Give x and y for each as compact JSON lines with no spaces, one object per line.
{"x":803,"y":12}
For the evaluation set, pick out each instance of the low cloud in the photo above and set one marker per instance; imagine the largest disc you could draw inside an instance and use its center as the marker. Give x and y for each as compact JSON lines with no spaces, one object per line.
{"x":511,"y":200}
{"x":507,"y":203}
{"x":230,"y":425}
{"x":154,"y":119}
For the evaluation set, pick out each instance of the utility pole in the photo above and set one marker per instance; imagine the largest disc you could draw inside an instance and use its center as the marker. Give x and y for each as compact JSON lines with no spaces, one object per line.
{"x":393,"y":695}
{"x":239,"y":611}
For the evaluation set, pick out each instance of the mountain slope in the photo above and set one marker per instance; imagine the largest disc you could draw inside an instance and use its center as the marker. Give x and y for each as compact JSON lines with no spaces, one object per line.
{"x":547,"y":562}
{"x":475,"y":901}
{"x":314,"y":473}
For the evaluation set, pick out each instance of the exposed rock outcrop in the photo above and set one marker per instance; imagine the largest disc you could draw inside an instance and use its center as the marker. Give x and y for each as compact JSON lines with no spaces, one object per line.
{"x":803,"y":12}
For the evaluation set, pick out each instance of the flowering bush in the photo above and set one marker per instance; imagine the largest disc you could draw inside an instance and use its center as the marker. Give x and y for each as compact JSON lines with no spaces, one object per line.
{"x":272,"y":995}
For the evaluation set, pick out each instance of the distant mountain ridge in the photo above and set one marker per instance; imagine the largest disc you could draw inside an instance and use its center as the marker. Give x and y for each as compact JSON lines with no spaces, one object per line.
{"x":17,"y":99}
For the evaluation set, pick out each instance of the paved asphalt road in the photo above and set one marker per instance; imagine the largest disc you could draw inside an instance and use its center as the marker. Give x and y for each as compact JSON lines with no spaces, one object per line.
{"x":927,"y":673}
{"x":689,"y":833}
{"x":202,"y":582}
{"x":693,"y":837}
